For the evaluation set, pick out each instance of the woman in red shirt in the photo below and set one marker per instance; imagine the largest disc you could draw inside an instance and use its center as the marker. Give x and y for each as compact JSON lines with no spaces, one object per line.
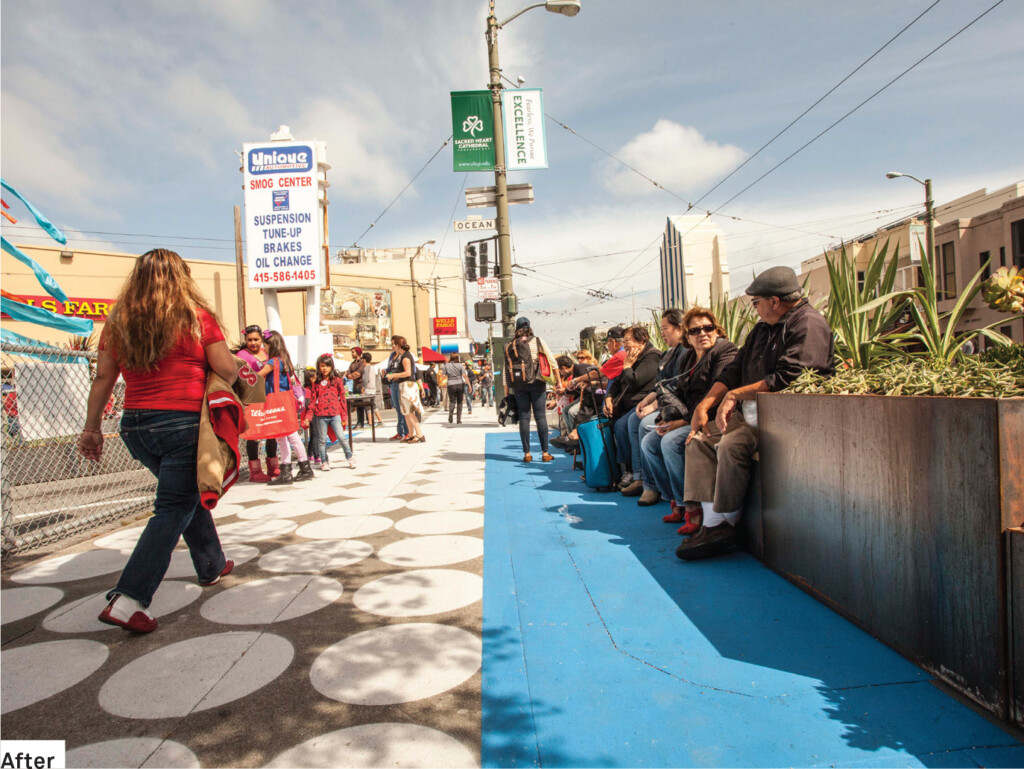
{"x":163,"y":338}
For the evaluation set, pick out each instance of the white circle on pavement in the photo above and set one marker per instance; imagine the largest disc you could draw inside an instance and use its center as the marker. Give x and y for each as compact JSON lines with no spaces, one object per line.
{"x":404,"y":488}
{"x":461,"y":485}
{"x":81,"y":616}
{"x":432,"y":503}
{"x":196,"y":675}
{"x":396,"y":663}
{"x":225,"y":511}
{"x":370,"y":490}
{"x":33,"y":673}
{"x":419,"y":593}
{"x":345,"y":528}
{"x":181,"y":562}
{"x":365,"y":506}
{"x":372,"y":745}
{"x":291,"y":509}
{"x":435,"y":550}
{"x":275,"y":599}
{"x":441,"y":523}
{"x":133,"y":751}
{"x":254,"y":531}
{"x":20,"y":602}
{"x":66,"y":568}
{"x":316,"y":556}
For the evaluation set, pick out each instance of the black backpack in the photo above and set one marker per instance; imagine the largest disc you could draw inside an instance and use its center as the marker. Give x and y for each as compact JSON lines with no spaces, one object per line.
{"x":522,"y":368}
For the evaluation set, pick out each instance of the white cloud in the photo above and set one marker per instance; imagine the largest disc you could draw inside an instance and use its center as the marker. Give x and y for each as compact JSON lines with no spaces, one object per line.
{"x":363,"y":141}
{"x":676,"y":156}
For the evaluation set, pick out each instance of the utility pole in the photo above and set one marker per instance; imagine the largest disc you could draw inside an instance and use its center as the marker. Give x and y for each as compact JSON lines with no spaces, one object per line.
{"x":415,"y":303}
{"x":437,"y":313}
{"x":239,"y":276}
{"x":500,"y":181}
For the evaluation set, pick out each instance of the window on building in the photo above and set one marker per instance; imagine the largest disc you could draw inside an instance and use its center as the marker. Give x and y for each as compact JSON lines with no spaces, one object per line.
{"x":1017,"y":236}
{"x":920,"y":277}
{"x":860,"y":280}
{"x":947,"y":263}
{"x":1006,"y":331}
{"x":1002,"y":256}
{"x":984,"y":259}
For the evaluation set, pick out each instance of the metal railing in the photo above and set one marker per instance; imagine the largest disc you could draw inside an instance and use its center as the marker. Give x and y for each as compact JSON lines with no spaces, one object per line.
{"x":49,"y":491}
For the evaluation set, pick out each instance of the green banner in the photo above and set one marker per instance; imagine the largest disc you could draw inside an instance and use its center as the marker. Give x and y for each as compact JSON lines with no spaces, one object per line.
{"x":473,"y":131}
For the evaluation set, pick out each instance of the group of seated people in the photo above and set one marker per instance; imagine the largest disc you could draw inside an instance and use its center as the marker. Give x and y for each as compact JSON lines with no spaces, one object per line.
{"x":684,"y":421}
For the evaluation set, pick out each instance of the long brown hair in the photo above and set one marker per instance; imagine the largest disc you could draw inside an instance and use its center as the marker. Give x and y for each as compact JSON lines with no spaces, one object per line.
{"x":276,"y":348}
{"x":158,"y":303}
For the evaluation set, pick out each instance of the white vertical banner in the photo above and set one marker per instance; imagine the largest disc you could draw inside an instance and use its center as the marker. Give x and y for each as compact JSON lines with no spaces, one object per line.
{"x":525,"y":140}
{"x":282,"y":215}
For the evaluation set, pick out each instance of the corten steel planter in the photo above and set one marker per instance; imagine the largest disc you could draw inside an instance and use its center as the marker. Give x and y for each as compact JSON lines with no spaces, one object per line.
{"x":893,"y":511}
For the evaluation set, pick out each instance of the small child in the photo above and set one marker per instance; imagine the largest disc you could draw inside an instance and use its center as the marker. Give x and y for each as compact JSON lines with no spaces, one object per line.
{"x":329,"y":409}
{"x":277,"y":351}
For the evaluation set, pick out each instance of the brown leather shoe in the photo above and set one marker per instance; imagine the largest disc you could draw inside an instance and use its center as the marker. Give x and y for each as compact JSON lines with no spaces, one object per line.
{"x":527,"y":457}
{"x":635,"y":489}
{"x":545,"y":457}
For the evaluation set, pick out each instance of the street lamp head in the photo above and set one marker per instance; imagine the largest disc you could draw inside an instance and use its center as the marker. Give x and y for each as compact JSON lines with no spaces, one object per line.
{"x":893,"y":175}
{"x":564,"y":7}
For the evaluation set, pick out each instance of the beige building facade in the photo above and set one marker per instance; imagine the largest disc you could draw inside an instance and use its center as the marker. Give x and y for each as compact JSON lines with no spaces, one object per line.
{"x":93,"y":279}
{"x":970,"y":231}
{"x":694,"y":268}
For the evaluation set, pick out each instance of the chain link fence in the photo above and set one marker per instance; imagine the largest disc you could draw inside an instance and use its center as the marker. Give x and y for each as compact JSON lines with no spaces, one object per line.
{"x":50,"y":491}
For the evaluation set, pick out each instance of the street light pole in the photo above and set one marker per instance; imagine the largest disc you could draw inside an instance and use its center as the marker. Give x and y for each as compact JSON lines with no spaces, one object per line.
{"x":500,"y":179}
{"x":415,"y":289}
{"x":508,"y":310}
{"x":929,"y":212}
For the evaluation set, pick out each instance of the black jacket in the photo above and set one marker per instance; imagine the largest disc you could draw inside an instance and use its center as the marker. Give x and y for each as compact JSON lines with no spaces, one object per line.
{"x":778,"y":353}
{"x":697,"y":376}
{"x":633,"y":384}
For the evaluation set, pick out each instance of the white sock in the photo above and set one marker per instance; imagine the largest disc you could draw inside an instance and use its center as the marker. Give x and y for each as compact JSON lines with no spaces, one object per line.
{"x":125,"y":606}
{"x":711,"y":518}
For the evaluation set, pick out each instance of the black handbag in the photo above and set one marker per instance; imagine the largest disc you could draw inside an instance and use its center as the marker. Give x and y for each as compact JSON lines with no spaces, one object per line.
{"x":508,"y":410}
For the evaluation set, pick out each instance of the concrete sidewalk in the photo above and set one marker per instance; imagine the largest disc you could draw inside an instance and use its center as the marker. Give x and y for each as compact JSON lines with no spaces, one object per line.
{"x":352,"y":633}
{"x":347,"y":635}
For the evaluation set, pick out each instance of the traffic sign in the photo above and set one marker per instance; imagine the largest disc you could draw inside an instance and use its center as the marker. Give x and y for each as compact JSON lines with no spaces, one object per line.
{"x":469,"y":225}
{"x":488,"y":288}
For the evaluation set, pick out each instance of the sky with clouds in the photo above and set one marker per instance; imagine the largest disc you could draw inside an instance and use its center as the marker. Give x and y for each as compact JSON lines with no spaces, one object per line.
{"x":121,"y":121}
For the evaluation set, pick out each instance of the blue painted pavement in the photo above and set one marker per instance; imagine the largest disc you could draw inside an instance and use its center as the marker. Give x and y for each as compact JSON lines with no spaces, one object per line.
{"x":601,"y":648}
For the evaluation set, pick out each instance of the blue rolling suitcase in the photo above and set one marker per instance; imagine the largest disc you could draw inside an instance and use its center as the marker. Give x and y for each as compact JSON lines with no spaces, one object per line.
{"x":595,"y":442}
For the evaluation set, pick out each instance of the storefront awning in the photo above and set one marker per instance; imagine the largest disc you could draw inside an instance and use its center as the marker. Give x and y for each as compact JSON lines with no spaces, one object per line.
{"x":429,"y":356}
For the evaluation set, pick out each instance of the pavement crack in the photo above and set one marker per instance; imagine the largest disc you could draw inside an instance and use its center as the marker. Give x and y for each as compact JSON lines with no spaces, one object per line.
{"x":632,"y":656}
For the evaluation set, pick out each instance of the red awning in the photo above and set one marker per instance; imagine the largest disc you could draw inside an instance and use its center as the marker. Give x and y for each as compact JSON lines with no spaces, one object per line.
{"x":429,"y":356}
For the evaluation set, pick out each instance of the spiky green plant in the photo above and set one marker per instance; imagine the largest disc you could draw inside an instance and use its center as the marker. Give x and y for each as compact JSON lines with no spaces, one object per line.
{"x":861,"y":335}
{"x":937,"y":331}
{"x":654,"y":330}
{"x":736,"y":317}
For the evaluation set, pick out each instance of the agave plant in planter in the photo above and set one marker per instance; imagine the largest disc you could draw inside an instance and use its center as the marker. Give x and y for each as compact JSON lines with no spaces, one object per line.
{"x":1004,"y":290}
{"x":937,"y":332}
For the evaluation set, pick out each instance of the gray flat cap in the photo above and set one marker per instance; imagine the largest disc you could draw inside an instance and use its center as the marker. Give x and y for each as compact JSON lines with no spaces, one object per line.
{"x":775,"y":281}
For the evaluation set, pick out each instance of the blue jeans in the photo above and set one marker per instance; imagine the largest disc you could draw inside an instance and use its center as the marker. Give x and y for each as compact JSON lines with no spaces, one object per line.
{"x":664,"y":458}
{"x":396,"y":402}
{"x":320,"y":427}
{"x":166,"y":443}
{"x":625,"y":429}
{"x":469,"y":399}
{"x":486,"y":396}
{"x":533,"y":396}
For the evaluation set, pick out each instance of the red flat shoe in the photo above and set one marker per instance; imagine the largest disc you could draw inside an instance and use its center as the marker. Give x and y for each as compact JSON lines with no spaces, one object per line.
{"x":139,"y":622}
{"x":692,"y":525}
{"x":676,"y":516}
{"x":228,"y":566}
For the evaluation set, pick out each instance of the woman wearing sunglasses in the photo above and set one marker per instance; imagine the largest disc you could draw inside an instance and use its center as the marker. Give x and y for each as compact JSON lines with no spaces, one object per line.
{"x":706,"y":353}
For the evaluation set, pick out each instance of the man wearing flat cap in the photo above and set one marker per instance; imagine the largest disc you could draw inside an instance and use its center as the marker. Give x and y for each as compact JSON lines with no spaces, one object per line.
{"x":790,"y":337}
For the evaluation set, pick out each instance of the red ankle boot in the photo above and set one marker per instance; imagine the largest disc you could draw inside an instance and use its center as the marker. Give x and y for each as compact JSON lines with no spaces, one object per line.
{"x":273,"y":468}
{"x":256,"y":474}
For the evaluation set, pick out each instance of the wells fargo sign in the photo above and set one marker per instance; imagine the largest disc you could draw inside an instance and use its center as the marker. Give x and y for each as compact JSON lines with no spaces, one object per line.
{"x":79,"y":307}
{"x":445,"y":326}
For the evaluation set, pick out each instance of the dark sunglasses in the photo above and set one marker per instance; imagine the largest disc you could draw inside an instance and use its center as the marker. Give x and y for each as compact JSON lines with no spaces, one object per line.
{"x":696,"y":330}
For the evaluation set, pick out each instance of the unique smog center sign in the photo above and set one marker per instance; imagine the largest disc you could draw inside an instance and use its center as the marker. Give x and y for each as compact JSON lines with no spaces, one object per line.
{"x":281,"y":228}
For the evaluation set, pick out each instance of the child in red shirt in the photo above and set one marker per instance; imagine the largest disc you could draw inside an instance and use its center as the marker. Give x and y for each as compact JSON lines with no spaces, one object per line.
{"x":329,"y":409}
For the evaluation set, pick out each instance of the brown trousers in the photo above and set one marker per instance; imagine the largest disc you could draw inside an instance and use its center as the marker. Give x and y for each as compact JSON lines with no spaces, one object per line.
{"x":718,"y":467}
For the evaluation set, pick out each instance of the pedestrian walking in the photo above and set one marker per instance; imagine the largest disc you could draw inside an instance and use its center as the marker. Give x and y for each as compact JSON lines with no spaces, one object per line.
{"x":455,"y":373}
{"x":329,"y":409}
{"x":524,"y":380}
{"x":163,"y":338}
{"x":470,"y":385}
{"x":355,"y":375}
{"x":395,"y":365}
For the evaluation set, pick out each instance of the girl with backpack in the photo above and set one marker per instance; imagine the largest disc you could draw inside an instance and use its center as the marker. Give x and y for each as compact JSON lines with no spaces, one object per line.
{"x":278,"y":352}
{"x":329,"y":409}
{"x":524,"y":380}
